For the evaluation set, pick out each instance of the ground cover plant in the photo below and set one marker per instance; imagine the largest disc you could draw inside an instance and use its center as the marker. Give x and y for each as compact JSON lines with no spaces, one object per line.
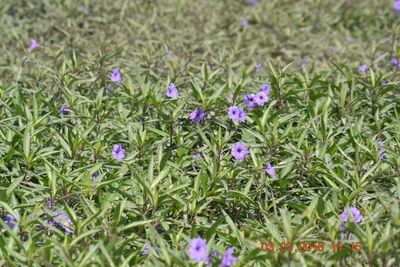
{"x":199,"y":133}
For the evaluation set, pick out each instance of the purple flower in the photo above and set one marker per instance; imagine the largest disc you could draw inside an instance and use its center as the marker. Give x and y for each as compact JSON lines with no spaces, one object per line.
{"x":236,"y":114}
{"x":115,"y":76}
{"x":305,"y":61}
{"x":49,"y":203}
{"x":252,"y":2}
{"x":363,"y":68}
{"x":168,"y":53}
{"x":198,"y":249}
{"x":197,"y":115}
{"x":197,"y":156}
{"x":64,"y":109}
{"x":172,"y":91}
{"x":95,"y":175}
{"x":61,"y":221}
{"x":209,"y":261}
{"x":261,"y":98}
{"x":265,"y":88}
{"x":394,"y":61}
{"x":384,"y":82}
{"x":355,"y":213}
{"x":396,"y":5}
{"x":250,"y":100}
{"x":258,"y":67}
{"x":239,"y":151}
{"x":381,"y":150}
{"x":118,"y":152}
{"x":228,"y":259}
{"x":270,"y":170}
{"x":244,"y":23}
{"x":85,"y":10}
{"x":11,"y":221}
{"x":146,"y":250}
{"x":33,"y":45}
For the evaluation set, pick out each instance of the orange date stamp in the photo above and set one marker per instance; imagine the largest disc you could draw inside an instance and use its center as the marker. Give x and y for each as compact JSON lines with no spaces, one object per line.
{"x":310,"y":247}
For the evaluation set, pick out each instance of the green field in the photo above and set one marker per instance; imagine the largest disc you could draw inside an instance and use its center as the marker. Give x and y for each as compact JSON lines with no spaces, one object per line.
{"x":199,"y":133}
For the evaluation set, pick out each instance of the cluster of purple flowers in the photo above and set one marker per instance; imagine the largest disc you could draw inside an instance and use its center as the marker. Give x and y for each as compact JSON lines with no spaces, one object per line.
{"x":236,"y":114}
{"x":198,"y":251}
{"x":258,"y":99}
{"x":344,"y":216}
{"x":60,"y":220}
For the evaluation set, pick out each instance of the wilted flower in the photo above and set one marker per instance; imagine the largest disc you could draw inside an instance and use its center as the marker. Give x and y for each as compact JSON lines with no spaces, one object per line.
{"x":228,"y":259}
{"x":270,"y":170}
{"x":236,"y":114}
{"x":355,"y":213}
{"x":261,"y":98}
{"x":381,"y":150}
{"x":197,"y":115}
{"x":95,"y":175}
{"x":244,"y":23}
{"x":108,"y":90}
{"x":115,"y":76}
{"x":250,"y":100}
{"x":363,"y":68}
{"x":118,"y":152}
{"x":198,"y":249}
{"x":396,"y":5}
{"x":209,"y":261}
{"x":33,"y":45}
{"x":146,"y":250}
{"x":239,"y":151}
{"x":64,"y":109}
{"x":197,"y":156}
{"x":258,"y":67}
{"x":172,"y":91}
{"x":61,"y":221}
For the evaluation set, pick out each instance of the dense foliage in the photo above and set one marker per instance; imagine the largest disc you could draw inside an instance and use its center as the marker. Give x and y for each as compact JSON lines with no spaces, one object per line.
{"x":194,"y":133}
